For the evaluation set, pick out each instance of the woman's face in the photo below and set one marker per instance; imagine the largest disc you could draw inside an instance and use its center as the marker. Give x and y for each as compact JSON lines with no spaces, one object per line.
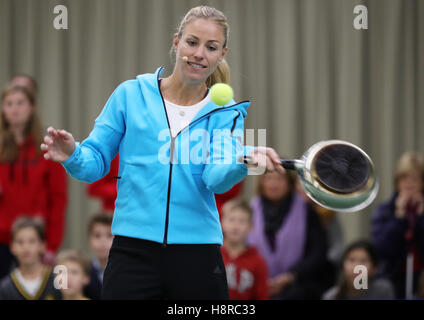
{"x":275,"y":186}
{"x":354,"y":258}
{"x":17,"y":109}
{"x":411,"y":182}
{"x":202,"y":43}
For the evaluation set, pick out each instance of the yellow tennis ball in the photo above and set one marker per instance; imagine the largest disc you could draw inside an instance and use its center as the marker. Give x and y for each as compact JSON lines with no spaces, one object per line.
{"x":221,"y":94}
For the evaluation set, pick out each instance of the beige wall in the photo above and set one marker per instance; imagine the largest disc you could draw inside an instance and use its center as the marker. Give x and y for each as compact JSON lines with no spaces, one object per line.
{"x":309,"y":74}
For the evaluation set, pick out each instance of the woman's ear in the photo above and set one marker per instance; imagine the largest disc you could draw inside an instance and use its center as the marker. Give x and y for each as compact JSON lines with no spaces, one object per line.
{"x":176,"y":41}
{"x":223,"y":54}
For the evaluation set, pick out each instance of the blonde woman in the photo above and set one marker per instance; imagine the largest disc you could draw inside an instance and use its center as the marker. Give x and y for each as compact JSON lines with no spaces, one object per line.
{"x":398,"y":224}
{"x":166,"y":224}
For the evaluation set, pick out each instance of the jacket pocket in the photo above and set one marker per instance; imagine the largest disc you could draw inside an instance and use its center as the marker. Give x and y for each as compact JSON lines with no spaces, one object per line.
{"x":123,"y":189}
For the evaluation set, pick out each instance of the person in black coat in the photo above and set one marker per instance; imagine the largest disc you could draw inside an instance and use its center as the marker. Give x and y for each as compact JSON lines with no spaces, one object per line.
{"x":398,"y":224}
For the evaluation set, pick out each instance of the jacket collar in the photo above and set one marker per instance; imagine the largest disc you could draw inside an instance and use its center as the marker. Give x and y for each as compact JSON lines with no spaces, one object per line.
{"x":210,"y":107}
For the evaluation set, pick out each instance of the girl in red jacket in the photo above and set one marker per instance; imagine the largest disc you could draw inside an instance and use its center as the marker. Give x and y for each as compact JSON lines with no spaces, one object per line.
{"x":29,"y":184}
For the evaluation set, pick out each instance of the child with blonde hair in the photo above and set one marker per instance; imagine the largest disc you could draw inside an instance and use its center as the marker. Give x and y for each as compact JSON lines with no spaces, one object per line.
{"x":77,"y":273}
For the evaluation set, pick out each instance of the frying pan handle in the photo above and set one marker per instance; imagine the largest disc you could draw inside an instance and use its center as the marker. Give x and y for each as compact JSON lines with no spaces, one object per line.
{"x":289,"y":164}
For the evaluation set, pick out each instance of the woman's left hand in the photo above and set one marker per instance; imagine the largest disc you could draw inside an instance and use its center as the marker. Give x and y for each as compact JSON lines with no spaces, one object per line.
{"x":278,"y":284}
{"x":265,"y":159}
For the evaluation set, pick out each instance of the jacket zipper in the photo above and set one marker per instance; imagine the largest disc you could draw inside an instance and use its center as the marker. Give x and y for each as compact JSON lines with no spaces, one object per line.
{"x":171,"y":154}
{"x":165,"y":237}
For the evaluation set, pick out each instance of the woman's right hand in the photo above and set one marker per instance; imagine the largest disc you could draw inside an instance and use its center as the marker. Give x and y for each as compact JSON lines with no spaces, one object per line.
{"x":59,"y":145}
{"x":279,"y":283}
{"x":404,"y":199}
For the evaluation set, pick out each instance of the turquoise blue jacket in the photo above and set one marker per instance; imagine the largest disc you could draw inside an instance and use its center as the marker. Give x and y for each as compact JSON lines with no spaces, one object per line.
{"x":170,"y":202}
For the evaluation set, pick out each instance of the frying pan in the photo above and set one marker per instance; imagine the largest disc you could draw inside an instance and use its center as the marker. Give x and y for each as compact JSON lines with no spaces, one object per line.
{"x":336,"y":174}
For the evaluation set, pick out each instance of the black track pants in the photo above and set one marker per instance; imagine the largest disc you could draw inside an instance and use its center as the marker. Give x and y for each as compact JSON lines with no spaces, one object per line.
{"x":141,"y":269}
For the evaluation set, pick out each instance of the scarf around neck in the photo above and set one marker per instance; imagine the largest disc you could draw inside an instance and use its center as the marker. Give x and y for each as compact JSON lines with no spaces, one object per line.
{"x":290,"y":238}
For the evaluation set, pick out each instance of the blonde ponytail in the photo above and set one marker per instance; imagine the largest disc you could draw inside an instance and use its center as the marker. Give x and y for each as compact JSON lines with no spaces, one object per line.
{"x":221,"y":74}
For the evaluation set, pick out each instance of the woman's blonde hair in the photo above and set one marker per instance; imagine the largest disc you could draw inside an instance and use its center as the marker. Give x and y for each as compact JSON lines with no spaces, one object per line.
{"x":9,"y":150}
{"x":222,"y":72}
{"x":409,"y":162}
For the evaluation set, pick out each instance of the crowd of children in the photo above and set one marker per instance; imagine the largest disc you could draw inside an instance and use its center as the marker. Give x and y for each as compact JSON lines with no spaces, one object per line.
{"x":279,"y":246}
{"x":73,"y":276}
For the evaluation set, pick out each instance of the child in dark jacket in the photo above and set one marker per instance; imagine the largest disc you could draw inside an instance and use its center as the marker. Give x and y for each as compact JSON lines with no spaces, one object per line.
{"x":100,"y":240}
{"x":358,"y":280}
{"x":78,"y":270}
{"x":31,"y":280}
